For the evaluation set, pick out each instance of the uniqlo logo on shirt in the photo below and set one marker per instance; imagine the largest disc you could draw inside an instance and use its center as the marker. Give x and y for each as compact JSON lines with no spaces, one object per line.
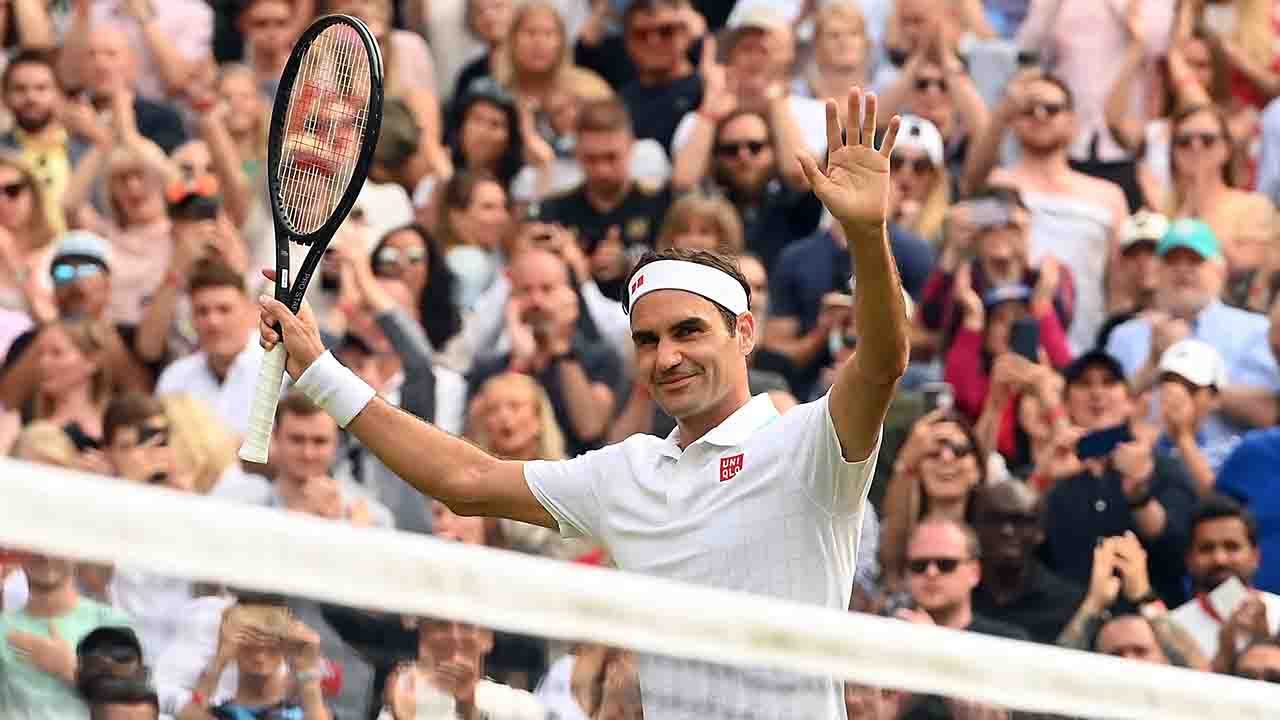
{"x":730,"y":466}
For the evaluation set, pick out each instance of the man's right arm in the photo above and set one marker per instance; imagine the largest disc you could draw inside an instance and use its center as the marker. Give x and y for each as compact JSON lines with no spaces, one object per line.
{"x":447,"y":468}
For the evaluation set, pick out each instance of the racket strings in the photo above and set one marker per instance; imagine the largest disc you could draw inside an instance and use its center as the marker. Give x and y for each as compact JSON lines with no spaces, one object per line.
{"x":324,"y":127}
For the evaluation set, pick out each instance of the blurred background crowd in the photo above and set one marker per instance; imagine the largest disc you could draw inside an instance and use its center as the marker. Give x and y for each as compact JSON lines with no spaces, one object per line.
{"x":1083,"y":212}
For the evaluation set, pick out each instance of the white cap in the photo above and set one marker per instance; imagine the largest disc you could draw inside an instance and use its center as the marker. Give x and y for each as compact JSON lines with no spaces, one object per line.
{"x":761,"y":17}
{"x":916,"y":133}
{"x":1195,"y":361}
{"x":1144,"y":226}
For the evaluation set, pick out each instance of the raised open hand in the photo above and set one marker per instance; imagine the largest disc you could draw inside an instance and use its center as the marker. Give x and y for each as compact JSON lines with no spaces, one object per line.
{"x":855,"y":185}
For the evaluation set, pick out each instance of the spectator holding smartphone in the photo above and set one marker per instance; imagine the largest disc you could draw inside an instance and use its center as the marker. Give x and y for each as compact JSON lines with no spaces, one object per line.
{"x":1106,"y":481}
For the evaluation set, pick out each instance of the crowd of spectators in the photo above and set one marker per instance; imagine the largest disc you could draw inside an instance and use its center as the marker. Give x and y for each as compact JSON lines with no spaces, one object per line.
{"x":1084,"y":213}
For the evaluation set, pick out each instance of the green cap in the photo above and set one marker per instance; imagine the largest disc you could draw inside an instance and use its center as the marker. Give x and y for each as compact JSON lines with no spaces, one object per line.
{"x":1190,"y":234}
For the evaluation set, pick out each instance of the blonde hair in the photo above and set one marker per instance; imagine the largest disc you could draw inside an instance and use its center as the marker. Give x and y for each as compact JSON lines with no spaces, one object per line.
{"x":146,"y":156}
{"x":231,"y":69}
{"x":551,"y":444}
{"x":701,"y":206}
{"x":44,"y":442}
{"x":203,"y":444}
{"x":504,"y":63}
{"x":1253,"y":32}
{"x":89,"y":339}
{"x":40,"y":229}
{"x":928,"y":224}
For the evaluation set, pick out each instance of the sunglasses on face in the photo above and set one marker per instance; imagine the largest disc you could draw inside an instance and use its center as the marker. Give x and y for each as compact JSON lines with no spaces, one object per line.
{"x":1204,"y":139}
{"x":395,"y":256}
{"x":1268,"y":675}
{"x":734,"y":149}
{"x":14,"y":189}
{"x":919,"y":165}
{"x":67,"y":273}
{"x":1043,"y":109}
{"x":663,"y":32}
{"x":957,"y":448}
{"x":945,"y":565}
{"x":924,"y":83}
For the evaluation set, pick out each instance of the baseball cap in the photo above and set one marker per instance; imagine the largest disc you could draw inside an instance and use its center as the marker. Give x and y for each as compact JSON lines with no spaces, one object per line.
{"x":107,"y":637}
{"x":758,"y":17}
{"x":1094,"y":358}
{"x":917,"y":133}
{"x":84,"y":245}
{"x":1195,"y":361}
{"x":1193,"y":235}
{"x":1006,"y":293}
{"x":1144,"y":226}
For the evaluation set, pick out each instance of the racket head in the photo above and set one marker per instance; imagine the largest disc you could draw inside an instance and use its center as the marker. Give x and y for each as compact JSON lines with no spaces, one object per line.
{"x":324,"y":127}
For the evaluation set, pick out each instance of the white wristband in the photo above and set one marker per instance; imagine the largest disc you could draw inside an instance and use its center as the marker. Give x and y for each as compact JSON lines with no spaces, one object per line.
{"x":337,"y":390}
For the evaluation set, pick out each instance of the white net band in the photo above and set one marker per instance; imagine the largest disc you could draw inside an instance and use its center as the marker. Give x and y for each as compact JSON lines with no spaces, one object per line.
{"x":58,"y":512}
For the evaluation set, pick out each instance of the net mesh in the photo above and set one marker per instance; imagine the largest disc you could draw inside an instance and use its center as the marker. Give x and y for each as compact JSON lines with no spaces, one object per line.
{"x":442,"y":623}
{"x":324,"y":127}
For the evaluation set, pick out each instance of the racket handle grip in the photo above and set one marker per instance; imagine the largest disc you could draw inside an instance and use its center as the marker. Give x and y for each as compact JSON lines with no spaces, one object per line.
{"x":262,"y":414}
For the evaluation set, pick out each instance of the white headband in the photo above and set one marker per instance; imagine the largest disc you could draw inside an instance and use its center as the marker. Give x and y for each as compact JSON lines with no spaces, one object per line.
{"x":712,"y":284}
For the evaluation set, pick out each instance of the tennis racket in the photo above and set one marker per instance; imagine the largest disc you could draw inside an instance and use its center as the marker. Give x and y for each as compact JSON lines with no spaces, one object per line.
{"x":324,"y":126}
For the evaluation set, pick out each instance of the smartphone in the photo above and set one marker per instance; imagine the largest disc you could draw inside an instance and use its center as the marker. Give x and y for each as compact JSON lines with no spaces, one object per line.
{"x":1102,"y":442}
{"x":1028,"y":58}
{"x":938,"y":396}
{"x":989,"y":213}
{"x":1024,"y":338}
{"x":81,"y":440}
{"x":1227,"y":597}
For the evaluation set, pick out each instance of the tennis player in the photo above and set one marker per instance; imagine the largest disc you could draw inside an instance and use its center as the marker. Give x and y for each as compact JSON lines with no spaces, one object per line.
{"x":738,"y":496}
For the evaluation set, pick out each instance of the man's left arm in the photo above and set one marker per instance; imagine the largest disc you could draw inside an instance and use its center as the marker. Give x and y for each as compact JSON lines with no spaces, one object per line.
{"x":855,"y":187}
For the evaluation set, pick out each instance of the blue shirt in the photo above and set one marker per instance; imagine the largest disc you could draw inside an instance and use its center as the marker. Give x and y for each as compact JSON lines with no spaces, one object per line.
{"x":1239,"y":335}
{"x":1250,"y":475}
{"x":1269,"y":158}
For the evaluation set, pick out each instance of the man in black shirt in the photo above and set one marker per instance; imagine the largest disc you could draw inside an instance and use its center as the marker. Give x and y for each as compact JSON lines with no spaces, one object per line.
{"x":777,"y":208}
{"x":614,"y":217}
{"x":657,"y":38}
{"x":1016,"y":588}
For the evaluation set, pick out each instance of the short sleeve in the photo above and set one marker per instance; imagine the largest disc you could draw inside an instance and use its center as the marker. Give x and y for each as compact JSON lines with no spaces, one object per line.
{"x":568,"y":489}
{"x":836,"y":485}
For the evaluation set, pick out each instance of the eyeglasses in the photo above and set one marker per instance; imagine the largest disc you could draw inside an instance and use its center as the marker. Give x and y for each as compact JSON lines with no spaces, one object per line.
{"x":663,"y":32}
{"x":733,"y":149}
{"x":1268,"y":675}
{"x":945,"y":565}
{"x":14,"y":189}
{"x":924,"y":83}
{"x":67,"y":273}
{"x":1205,"y":139}
{"x":393,"y":256}
{"x":919,"y":165}
{"x":1043,"y":109}
{"x":1019,"y":521}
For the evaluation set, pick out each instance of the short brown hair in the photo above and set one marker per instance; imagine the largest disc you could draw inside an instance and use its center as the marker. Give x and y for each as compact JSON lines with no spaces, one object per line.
{"x":295,"y":403}
{"x":214,"y":273}
{"x":608,"y":115}
{"x":128,"y":410}
{"x":726,"y":264}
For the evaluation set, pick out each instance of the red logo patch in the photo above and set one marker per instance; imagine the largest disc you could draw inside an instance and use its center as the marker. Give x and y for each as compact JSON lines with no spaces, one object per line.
{"x":730,"y":466}
{"x":638,"y":282}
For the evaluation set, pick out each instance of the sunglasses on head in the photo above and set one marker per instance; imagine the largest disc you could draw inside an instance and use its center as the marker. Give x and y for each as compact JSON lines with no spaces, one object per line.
{"x":918,"y":165}
{"x":1205,"y":139}
{"x":1047,"y":109}
{"x":14,"y":189}
{"x":924,"y":83}
{"x":733,"y":149}
{"x":665,"y":31}
{"x":945,"y":565}
{"x":67,"y":273}
{"x":393,"y":256}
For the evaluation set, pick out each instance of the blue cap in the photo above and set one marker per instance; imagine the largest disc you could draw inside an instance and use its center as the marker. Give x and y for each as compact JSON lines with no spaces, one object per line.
{"x":1006,"y":293}
{"x":1193,"y":235}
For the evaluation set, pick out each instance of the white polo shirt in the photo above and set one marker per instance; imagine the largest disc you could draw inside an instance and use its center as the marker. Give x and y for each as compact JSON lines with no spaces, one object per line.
{"x":229,"y":398}
{"x":763,"y":503}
